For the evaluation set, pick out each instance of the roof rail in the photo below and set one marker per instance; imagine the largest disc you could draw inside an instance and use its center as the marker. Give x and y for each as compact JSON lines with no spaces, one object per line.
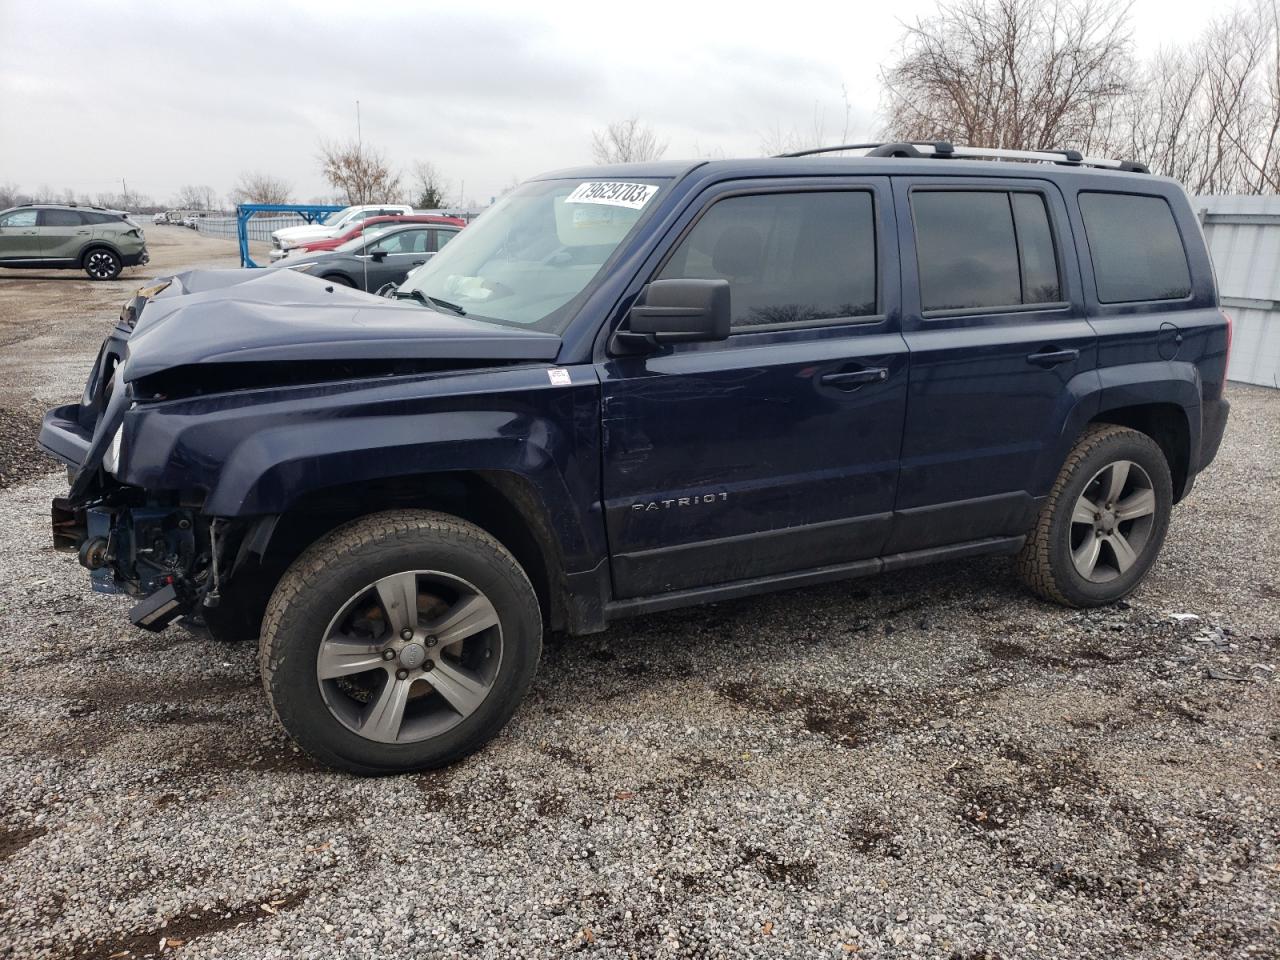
{"x":942,"y":150}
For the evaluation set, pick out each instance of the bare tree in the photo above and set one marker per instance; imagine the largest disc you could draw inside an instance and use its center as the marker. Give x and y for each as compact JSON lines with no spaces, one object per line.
{"x":1208,"y":113}
{"x":359,"y":172}
{"x":10,"y":195}
{"x":626,"y":141}
{"x":255,"y":187}
{"x":1022,"y":74}
{"x":428,"y":191}
{"x":778,"y":140}
{"x":193,"y":197}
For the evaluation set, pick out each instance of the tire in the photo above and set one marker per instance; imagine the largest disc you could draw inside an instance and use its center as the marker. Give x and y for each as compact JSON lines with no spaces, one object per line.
{"x":334,"y":616}
{"x":102,"y":264}
{"x":338,"y":279}
{"x":1122,"y":542}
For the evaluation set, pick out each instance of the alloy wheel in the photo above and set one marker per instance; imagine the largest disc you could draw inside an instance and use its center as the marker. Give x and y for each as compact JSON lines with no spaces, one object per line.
{"x":101,"y":265}
{"x":1112,"y":521}
{"x":410,"y":656}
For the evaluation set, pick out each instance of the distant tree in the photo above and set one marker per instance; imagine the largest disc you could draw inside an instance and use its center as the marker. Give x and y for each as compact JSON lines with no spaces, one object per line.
{"x":10,"y":195}
{"x":429,"y":190}
{"x":1019,"y":74}
{"x":192,"y":197}
{"x":254,"y":187}
{"x":626,"y":141}
{"x":796,"y":137}
{"x":359,"y":172}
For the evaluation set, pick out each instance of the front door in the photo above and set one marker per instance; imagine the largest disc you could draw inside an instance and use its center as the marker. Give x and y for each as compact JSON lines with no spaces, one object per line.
{"x":19,"y":235}
{"x":777,"y":449}
{"x":1000,"y":349}
{"x":401,"y":252}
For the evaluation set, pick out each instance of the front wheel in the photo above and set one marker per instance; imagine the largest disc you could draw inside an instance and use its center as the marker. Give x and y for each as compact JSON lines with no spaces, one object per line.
{"x":1103,"y":524}
{"x":400,"y":641}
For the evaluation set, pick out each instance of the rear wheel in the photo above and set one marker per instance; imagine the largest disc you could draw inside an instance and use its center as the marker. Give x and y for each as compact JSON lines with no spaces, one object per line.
{"x":1104,"y":522}
{"x":400,"y":641}
{"x":102,"y":264}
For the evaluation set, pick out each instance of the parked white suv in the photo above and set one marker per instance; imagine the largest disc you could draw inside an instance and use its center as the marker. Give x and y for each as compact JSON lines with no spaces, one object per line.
{"x":284,"y":239}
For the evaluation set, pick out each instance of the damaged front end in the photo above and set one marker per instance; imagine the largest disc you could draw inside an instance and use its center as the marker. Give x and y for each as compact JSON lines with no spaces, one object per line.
{"x":163,"y":554}
{"x":154,"y":547}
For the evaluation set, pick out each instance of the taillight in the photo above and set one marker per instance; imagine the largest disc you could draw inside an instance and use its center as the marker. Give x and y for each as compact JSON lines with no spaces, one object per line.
{"x":1230,"y":332}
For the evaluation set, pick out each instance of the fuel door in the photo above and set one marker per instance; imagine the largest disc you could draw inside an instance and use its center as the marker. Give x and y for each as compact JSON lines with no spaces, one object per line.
{"x":1169,"y":341}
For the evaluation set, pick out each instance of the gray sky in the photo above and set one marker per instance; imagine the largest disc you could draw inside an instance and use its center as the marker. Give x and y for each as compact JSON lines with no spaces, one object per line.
{"x":167,"y":94}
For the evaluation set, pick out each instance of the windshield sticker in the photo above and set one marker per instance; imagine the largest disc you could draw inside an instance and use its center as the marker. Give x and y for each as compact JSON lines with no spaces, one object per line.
{"x":558,"y":376}
{"x":630,"y":195}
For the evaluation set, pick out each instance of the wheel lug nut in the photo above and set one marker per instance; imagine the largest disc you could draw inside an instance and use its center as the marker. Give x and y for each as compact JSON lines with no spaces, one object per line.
{"x":402,"y":674}
{"x":388,"y":654}
{"x":432,"y":641}
{"x":406,"y":634}
{"x":428,"y":665}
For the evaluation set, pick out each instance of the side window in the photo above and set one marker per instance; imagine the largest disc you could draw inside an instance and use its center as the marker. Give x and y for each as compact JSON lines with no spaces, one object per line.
{"x":983,"y":248}
{"x":60,"y":218}
{"x":1135,"y":248}
{"x":788,"y":257}
{"x":19,"y":218}
{"x":443,"y":237}
{"x":407,"y":241}
{"x":1036,"y":254}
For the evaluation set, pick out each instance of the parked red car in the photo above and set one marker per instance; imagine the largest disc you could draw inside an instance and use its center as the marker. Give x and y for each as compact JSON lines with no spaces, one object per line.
{"x":334,"y":242}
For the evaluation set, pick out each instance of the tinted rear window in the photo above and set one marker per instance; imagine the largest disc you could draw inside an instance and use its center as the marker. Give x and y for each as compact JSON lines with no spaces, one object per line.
{"x":1135,"y":248}
{"x":966,"y":249}
{"x":60,"y":218}
{"x":1035,"y":249}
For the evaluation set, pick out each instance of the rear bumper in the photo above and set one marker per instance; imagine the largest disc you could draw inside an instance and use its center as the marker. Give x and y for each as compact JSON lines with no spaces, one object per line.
{"x":136,"y":259}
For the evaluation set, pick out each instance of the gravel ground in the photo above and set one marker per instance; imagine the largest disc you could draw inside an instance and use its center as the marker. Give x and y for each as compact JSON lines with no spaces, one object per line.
{"x":926,"y":764}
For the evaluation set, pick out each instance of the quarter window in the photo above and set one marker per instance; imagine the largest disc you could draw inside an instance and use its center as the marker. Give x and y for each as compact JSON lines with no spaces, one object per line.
{"x":983,"y":248}
{"x":789,"y":257}
{"x":1135,"y":248}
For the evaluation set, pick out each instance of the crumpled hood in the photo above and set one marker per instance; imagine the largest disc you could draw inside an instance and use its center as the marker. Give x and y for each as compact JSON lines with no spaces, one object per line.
{"x":246,"y":316}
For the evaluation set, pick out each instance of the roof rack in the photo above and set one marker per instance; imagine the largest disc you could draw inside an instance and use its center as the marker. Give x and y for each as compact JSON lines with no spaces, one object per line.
{"x":942,"y":150}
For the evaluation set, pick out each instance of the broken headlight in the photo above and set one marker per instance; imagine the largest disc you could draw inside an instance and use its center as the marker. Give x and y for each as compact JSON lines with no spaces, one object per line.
{"x":111,"y":459}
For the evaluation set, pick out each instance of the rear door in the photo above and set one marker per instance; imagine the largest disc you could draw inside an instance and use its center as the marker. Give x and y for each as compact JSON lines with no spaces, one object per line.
{"x":1000,"y":348}
{"x":63,"y":233}
{"x":777,"y":449}
{"x":20,"y":235}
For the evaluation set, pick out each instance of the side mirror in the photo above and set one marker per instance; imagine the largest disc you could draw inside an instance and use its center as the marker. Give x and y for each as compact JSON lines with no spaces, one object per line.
{"x":676,"y":311}
{"x":378,"y":255}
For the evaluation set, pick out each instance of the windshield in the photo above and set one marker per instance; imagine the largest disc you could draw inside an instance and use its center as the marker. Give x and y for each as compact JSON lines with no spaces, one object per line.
{"x":533,"y":251}
{"x":337,"y":218}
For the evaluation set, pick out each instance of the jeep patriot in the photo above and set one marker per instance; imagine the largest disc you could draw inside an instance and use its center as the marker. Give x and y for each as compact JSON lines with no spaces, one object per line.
{"x":633,"y":388}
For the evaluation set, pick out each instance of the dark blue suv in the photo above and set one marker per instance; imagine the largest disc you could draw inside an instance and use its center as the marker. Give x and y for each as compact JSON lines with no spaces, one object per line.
{"x":634,"y":388}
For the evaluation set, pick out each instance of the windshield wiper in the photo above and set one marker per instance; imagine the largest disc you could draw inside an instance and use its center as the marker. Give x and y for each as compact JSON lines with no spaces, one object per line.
{"x":443,"y":303}
{"x":427,"y":301}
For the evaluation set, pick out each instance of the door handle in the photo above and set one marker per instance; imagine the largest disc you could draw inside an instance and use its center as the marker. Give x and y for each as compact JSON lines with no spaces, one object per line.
{"x":82,"y":233}
{"x":852,"y":379}
{"x":1051,"y":358}
{"x":418,"y":263}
